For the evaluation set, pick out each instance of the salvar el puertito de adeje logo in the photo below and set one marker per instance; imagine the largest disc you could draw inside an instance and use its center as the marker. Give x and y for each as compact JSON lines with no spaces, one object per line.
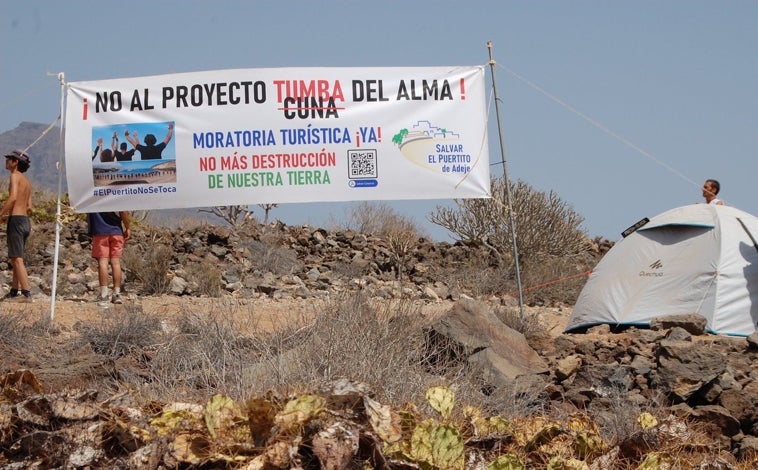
{"x":435,"y":148}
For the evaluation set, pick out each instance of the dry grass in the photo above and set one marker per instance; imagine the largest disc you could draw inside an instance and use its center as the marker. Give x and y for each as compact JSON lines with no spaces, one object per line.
{"x":228,"y":349}
{"x":546,"y":280}
{"x":150,"y":268}
{"x":206,"y":278}
{"x":552,"y":280}
{"x":375,"y":345}
{"x":401,"y":233}
{"x":202,"y":352}
{"x":269,"y":255}
{"x":205,"y":353}
{"x":478,"y":277}
{"x":231,"y":349}
{"x":528,"y":325}
{"x":379,"y":219}
{"x":14,"y":329}
{"x":122,"y":333}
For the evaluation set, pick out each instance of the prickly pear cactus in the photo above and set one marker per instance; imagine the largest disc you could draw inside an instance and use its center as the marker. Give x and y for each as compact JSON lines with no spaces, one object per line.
{"x":438,"y":445}
{"x":442,"y":399}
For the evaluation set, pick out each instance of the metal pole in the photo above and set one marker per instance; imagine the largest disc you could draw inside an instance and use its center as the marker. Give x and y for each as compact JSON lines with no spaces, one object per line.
{"x":59,"y":166}
{"x":507,"y":185}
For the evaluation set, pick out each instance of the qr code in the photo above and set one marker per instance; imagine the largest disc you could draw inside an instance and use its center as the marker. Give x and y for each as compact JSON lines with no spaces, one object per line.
{"x":361,"y":163}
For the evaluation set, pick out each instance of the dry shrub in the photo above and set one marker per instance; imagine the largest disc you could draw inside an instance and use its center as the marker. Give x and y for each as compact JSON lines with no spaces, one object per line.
{"x":681,"y":443}
{"x":479,"y":278}
{"x":347,"y":338}
{"x":351,"y":270}
{"x":226,"y":349}
{"x":44,"y":327}
{"x":268,"y":255}
{"x":544,"y":224}
{"x":235,"y":216}
{"x":553,"y":281}
{"x":173,"y":219}
{"x":546,"y":280}
{"x":368,"y":343}
{"x":520,"y":397}
{"x":370,"y":218}
{"x":121,"y":332}
{"x":25,"y":330}
{"x":400,"y":232}
{"x":384,"y":346}
{"x":616,"y":417}
{"x":616,"y":414}
{"x":150,"y":267}
{"x":267,"y":208}
{"x":14,"y":331}
{"x":527,"y":325}
{"x":381,"y":220}
{"x":206,"y":277}
{"x":402,"y":238}
{"x":207,"y":353}
{"x":46,"y":206}
{"x":551,"y":243}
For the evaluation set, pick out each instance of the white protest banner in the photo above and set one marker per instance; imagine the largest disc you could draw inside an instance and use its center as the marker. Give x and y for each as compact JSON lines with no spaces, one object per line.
{"x":277,"y":135}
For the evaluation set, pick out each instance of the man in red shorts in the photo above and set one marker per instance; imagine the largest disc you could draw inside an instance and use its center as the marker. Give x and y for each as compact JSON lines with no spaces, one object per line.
{"x":109,"y":232}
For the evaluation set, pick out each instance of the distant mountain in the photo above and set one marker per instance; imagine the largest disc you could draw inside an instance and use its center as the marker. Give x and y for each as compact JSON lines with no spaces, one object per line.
{"x":44,"y":154}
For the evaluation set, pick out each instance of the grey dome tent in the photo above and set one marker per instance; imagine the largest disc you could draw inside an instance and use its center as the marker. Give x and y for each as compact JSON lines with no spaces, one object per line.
{"x":699,"y":259}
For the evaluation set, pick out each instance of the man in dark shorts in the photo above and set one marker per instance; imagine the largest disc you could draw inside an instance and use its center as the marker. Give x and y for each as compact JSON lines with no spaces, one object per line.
{"x":15,"y":212}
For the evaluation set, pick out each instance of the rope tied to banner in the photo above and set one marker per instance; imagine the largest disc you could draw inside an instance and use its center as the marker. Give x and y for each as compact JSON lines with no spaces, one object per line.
{"x":600,"y":126}
{"x":49,"y":128}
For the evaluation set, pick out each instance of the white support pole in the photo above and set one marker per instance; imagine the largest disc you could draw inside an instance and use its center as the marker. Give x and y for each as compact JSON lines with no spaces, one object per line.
{"x":59,"y":167}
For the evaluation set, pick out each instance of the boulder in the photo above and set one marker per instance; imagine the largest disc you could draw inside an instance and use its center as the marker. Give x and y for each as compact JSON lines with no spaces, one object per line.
{"x":691,"y":322}
{"x":684,"y":367}
{"x":477,"y":336}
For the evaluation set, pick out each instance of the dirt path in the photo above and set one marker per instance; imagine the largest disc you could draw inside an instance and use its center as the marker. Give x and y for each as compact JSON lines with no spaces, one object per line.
{"x":66,"y":313}
{"x":264,"y":312}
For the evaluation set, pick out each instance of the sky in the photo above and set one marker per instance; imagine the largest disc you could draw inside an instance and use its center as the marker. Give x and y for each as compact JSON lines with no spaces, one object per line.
{"x":622,"y":108}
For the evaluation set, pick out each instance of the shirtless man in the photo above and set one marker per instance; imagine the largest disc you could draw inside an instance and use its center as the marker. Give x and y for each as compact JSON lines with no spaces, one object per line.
{"x":15,"y":211}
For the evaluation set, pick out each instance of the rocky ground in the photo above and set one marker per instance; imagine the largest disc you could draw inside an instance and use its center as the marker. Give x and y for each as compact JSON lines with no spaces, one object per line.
{"x":700,"y":381}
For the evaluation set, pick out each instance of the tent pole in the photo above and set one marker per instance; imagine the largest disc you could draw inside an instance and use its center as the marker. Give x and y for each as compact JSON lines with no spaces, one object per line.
{"x":59,"y":167}
{"x":744,"y":227}
{"x":507,"y":185}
